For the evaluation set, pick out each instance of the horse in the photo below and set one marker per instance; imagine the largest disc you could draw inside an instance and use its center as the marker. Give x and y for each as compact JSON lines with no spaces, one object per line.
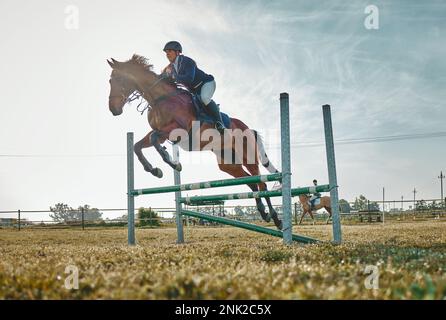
{"x":171,"y":109}
{"x":324,"y":203}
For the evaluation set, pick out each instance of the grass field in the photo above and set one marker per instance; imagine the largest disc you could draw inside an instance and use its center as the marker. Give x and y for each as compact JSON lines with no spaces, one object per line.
{"x":226,"y":263}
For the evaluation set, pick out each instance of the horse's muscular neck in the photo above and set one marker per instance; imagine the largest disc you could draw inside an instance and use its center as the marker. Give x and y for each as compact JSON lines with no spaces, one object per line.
{"x":157,"y":117}
{"x":146,"y":82}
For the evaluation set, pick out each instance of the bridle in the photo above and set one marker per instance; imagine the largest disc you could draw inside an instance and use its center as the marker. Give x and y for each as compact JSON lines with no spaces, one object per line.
{"x":138,"y":93}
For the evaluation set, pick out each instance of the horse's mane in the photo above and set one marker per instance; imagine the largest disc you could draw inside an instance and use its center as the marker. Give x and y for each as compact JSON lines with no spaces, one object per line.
{"x":141,"y":62}
{"x":138,"y":63}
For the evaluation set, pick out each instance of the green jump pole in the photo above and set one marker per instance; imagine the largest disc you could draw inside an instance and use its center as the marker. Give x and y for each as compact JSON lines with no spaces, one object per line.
{"x":257,"y":194}
{"x":209,"y":184}
{"x":247,"y":226}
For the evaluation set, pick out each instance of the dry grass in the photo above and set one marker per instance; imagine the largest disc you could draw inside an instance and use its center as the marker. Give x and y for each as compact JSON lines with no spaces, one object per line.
{"x":225,"y":263}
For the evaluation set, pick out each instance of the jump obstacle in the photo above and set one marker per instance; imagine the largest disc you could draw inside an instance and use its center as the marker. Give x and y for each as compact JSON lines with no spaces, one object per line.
{"x":286,"y":192}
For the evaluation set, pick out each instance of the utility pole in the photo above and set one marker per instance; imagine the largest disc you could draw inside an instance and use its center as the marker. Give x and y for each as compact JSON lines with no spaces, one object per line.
{"x":441,"y":177}
{"x":402,"y":203}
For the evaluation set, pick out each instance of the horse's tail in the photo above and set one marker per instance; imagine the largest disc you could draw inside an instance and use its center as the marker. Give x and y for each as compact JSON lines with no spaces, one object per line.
{"x":263,"y":157}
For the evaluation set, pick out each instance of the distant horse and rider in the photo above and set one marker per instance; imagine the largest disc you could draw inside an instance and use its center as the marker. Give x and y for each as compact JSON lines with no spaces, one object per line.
{"x":313,"y":203}
{"x":172,"y":107}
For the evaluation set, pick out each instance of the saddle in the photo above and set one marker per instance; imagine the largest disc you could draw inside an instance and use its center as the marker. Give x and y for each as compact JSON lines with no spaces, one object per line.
{"x":313,"y":203}
{"x":202,"y":116}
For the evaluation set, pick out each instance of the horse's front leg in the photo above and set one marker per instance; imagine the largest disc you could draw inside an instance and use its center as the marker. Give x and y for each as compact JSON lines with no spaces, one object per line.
{"x":304,"y":212}
{"x":146,"y":143}
{"x":156,"y":139}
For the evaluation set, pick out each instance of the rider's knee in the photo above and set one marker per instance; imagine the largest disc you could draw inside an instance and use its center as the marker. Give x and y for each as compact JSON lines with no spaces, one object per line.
{"x":205,"y":99}
{"x":207,"y":91}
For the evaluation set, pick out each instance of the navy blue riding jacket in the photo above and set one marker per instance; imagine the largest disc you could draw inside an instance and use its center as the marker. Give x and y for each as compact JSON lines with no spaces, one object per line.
{"x":189,"y":75}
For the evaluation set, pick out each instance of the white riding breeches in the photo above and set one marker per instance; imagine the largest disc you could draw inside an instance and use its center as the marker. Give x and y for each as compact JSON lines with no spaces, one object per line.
{"x":207,"y":91}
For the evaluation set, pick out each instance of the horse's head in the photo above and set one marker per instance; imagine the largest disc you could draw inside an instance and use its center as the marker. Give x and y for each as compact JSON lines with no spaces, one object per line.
{"x":121,"y":86}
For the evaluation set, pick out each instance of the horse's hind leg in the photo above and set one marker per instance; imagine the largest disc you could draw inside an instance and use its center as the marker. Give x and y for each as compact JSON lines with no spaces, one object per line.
{"x":156,"y":139}
{"x":237,"y":171}
{"x":329,"y":213}
{"x":146,"y":143}
{"x":254,"y":170}
{"x":272,"y":211}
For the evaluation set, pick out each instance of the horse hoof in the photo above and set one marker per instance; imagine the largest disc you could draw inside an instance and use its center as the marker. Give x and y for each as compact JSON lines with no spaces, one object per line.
{"x":157,"y":172}
{"x":178,"y":167}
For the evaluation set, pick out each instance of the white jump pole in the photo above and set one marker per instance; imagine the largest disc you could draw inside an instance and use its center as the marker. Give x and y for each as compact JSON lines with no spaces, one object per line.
{"x":130,"y":187}
{"x":332,"y":180}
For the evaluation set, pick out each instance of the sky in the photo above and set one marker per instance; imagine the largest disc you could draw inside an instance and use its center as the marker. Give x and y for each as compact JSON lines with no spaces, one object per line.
{"x":383,"y":77}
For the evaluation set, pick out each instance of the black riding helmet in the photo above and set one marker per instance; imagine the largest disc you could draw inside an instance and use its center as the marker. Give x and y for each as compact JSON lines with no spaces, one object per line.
{"x":173,"y":45}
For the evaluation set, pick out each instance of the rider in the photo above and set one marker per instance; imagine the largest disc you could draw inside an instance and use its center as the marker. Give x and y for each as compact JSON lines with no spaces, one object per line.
{"x":184,"y":70}
{"x":315,"y":195}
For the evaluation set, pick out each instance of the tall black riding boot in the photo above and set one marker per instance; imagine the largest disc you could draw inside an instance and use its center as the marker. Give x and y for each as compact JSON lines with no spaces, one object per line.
{"x":213,"y":110}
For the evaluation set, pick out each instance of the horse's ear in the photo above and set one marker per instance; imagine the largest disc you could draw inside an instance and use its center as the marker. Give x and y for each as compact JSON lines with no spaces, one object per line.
{"x":116,"y":64}
{"x":110,"y":63}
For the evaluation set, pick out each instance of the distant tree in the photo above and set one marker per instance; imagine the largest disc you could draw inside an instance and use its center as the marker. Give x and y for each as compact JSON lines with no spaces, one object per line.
{"x":344,"y":206}
{"x":61,"y":212}
{"x":362,"y":203}
{"x":421,"y":205}
{"x":435,"y":205}
{"x":90,"y":214}
{"x":148,"y":217}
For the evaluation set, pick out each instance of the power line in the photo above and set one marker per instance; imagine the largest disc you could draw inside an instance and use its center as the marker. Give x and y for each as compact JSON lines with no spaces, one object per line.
{"x":370,"y":139}
{"x":60,"y":155}
{"x":438,"y":134}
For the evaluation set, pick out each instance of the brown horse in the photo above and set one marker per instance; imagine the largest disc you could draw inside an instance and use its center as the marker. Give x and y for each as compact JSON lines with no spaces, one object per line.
{"x":171,"y":110}
{"x":305,"y":201}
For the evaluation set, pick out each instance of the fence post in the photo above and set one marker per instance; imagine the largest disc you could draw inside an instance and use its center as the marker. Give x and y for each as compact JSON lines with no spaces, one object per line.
{"x":18,"y":220}
{"x":286,"y":167}
{"x":130,"y":187}
{"x":295,"y":213}
{"x":83,"y":225}
{"x":332,"y":180}
{"x":177,"y":181}
{"x":383,"y":203}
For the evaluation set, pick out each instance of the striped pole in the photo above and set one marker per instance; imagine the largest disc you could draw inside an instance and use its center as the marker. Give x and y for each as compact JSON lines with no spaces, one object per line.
{"x":332,"y":180}
{"x":209,"y":184}
{"x":248,"y":226}
{"x":258,"y":194}
{"x":130,"y":187}
{"x":286,"y":167}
